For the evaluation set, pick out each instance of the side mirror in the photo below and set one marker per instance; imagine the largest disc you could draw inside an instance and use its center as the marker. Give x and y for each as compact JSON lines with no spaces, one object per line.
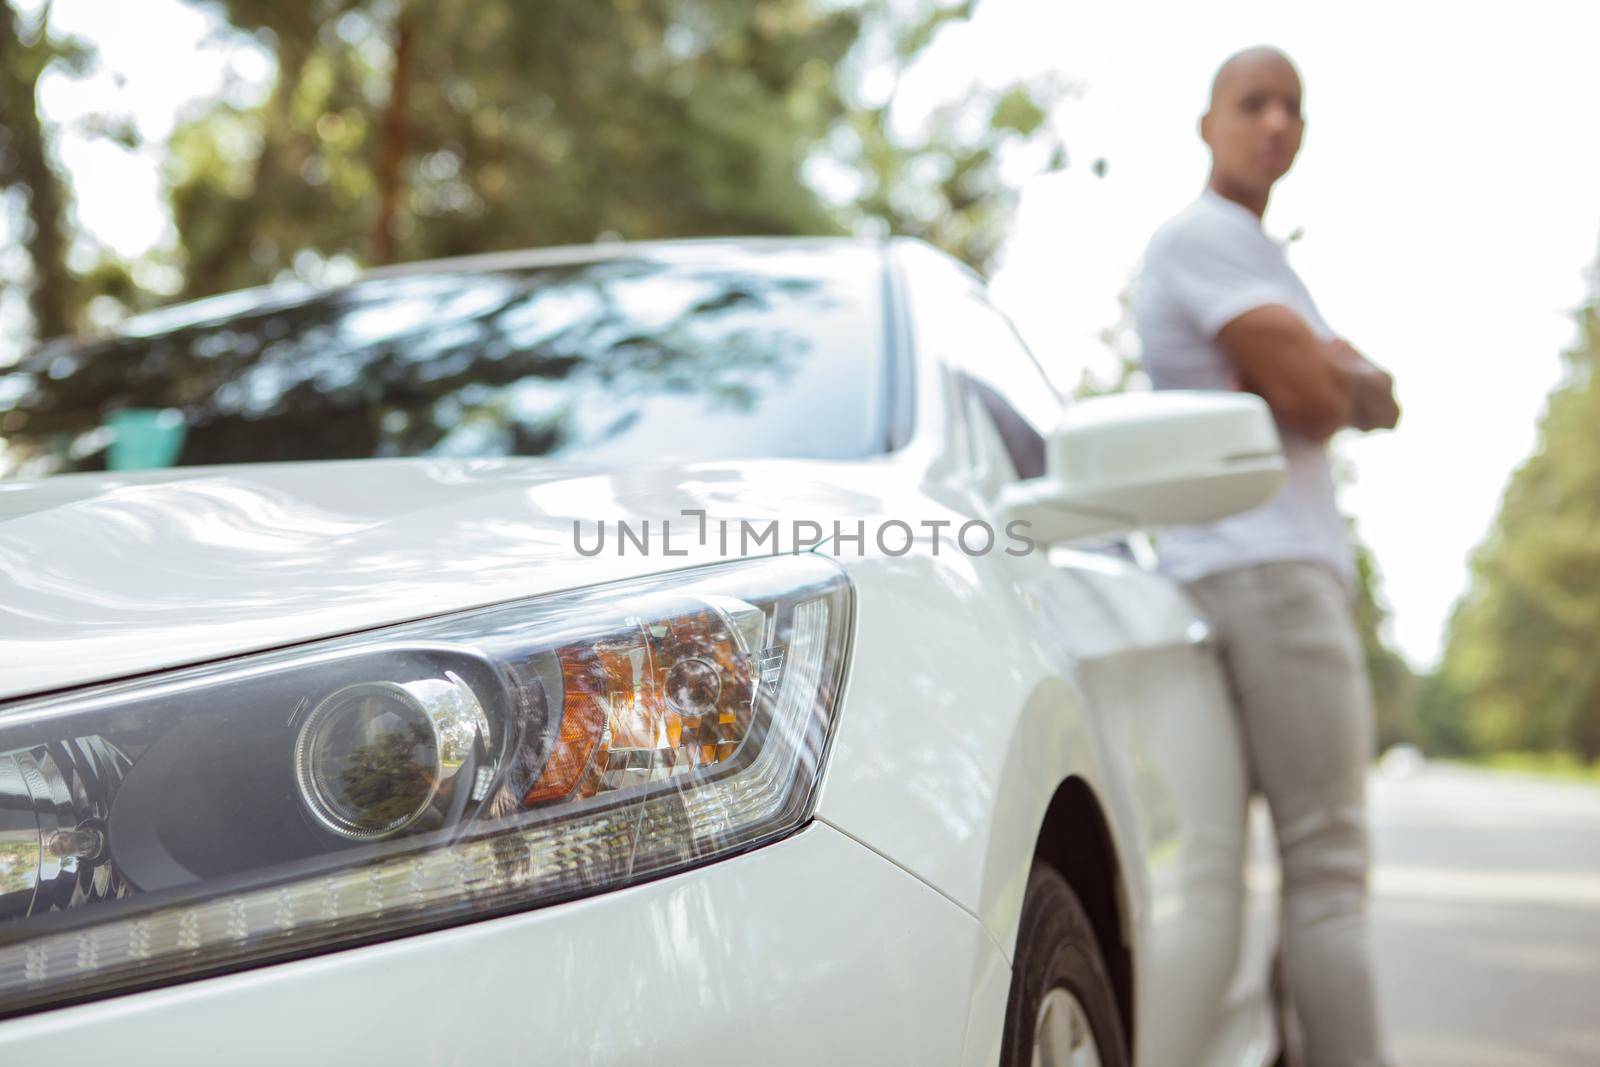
{"x":1118,"y":463}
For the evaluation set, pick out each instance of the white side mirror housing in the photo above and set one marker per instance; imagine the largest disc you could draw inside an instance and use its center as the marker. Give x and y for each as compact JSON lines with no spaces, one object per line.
{"x":1119,"y":463}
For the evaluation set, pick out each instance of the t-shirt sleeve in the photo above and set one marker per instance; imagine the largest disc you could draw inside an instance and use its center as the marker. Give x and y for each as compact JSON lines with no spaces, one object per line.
{"x":1213,"y":278}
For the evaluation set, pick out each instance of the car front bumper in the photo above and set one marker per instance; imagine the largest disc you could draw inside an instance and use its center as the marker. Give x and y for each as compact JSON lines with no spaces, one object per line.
{"x":811,"y":950}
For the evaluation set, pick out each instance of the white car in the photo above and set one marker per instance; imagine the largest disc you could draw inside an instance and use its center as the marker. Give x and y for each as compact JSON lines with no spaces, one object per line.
{"x":660,"y":653}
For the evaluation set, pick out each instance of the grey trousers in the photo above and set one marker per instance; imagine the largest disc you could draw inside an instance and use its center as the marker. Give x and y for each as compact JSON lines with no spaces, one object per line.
{"x":1293,"y":658}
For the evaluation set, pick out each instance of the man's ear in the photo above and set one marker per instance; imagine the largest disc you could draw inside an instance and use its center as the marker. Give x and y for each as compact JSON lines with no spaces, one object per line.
{"x":1204,"y":126}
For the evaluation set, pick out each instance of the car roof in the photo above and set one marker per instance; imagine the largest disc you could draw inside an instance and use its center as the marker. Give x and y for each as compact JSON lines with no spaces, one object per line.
{"x":682,"y":250}
{"x":685,"y":248}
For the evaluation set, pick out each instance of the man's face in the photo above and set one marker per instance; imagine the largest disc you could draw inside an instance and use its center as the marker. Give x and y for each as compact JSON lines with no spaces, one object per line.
{"x":1254,"y":126}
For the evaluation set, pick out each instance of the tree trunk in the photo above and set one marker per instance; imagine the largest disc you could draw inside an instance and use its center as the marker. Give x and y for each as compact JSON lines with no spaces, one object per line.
{"x":25,"y":163}
{"x":392,"y":150}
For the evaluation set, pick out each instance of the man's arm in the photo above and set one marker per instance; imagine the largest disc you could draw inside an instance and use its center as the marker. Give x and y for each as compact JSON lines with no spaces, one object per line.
{"x":1313,"y":386}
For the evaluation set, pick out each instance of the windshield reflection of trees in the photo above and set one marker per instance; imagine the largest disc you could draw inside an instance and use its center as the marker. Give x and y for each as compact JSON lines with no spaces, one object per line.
{"x":532,"y":363}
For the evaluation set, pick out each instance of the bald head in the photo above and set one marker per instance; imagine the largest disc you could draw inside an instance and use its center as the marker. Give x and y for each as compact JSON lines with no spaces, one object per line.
{"x":1253,"y":124}
{"x":1242,"y":63}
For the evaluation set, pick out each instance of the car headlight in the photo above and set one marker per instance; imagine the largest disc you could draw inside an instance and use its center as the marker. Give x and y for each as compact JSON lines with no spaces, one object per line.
{"x":366,"y":787}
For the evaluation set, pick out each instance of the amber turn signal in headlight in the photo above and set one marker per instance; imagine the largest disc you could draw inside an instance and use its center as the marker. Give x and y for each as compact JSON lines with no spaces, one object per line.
{"x":413,"y":777}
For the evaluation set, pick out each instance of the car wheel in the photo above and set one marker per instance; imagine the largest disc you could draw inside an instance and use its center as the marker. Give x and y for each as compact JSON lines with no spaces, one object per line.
{"x":1062,"y":1011}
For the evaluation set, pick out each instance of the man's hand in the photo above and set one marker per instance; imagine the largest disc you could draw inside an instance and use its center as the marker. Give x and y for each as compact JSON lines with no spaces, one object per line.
{"x":1373,"y":406}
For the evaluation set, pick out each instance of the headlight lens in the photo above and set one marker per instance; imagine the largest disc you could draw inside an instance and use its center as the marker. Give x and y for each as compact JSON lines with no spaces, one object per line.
{"x":412,"y":777}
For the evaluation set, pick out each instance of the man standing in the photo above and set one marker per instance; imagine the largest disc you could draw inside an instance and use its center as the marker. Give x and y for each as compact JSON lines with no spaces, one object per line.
{"x":1218,"y":307}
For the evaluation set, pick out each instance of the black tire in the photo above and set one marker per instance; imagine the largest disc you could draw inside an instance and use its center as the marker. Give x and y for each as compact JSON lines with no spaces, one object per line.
{"x":1056,"y":947}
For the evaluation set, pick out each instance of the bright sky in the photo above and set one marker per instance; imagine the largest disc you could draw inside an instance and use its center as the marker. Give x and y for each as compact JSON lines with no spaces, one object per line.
{"x":1449,"y":190}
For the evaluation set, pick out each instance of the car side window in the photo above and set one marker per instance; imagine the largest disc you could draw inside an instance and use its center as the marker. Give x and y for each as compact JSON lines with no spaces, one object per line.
{"x":997,"y":369}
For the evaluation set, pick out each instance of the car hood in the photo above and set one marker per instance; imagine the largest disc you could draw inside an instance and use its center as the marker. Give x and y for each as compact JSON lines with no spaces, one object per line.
{"x":103,"y":576}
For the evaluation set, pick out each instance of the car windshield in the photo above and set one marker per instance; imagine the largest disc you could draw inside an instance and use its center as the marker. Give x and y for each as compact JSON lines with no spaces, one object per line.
{"x":669,"y":353}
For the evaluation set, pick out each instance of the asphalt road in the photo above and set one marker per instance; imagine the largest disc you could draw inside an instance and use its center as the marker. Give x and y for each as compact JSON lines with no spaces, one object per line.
{"x":1486,"y":918}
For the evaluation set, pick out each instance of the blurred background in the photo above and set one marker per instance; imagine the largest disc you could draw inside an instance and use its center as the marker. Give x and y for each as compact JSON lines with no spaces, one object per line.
{"x":1445,"y":211}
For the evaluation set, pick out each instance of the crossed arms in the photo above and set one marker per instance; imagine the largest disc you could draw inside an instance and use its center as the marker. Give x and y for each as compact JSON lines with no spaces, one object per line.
{"x":1313,"y":386}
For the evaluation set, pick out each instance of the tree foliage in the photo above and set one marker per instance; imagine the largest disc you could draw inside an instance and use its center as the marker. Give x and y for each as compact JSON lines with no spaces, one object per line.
{"x":943,"y":176}
{"x":402,"y":131}
{"x":397,"y":130}
{"x":1394,"y":684}
{"x":1522,"y":664}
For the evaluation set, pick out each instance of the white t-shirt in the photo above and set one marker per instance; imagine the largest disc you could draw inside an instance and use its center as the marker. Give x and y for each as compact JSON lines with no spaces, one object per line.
{"x":1203,"y":269}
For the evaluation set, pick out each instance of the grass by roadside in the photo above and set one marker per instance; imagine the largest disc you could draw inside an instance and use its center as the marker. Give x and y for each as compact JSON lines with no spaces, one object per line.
{"x":1563,"y":765}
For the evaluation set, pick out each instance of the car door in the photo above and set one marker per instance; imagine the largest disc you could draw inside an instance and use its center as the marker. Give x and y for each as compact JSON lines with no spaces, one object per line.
{"x":1147,"y":664}
{"x":1142,"y":655}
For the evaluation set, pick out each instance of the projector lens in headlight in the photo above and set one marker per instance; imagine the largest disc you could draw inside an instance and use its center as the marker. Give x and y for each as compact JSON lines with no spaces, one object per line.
{"x":371,"y":759}
{"x":431,"y":773}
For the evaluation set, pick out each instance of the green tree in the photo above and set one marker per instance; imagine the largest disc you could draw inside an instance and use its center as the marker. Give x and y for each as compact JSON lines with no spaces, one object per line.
{"x":941,"y":176}
{"x":1521,"y":669}
{"x":1121,"y":340}
{"x":397,"y":130}
{"x":1394,"y":684}
{"x":394,"y":130}
{"x":401,"y":131}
